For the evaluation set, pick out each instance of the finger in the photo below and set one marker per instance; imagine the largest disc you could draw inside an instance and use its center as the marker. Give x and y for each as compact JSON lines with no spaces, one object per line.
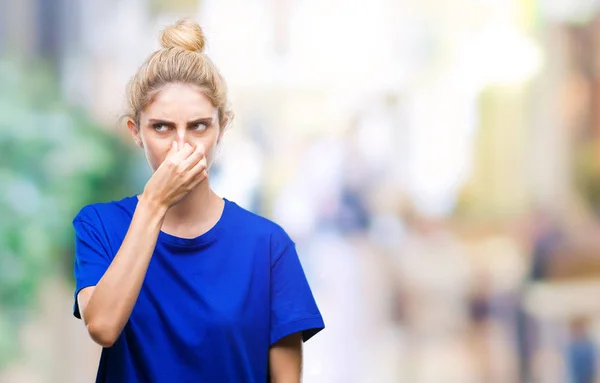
{"x":198,"y":168}
{"x":168,"y":161}
{"x":199,"y":147}
{"x":183,"y":153}
{"x":199,"y":178}
{"x":193,"y":159}
{"x":174,"y":147}
{"x":172,"y":150}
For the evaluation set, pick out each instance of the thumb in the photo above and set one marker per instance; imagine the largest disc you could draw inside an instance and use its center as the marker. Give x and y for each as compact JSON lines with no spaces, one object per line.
{"x":174,"y":148}
{"x":172,"y":151}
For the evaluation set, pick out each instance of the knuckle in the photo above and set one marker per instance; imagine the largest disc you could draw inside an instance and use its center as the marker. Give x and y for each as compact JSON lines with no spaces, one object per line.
{"x":171,"y":164}
{"x":178,"y":169}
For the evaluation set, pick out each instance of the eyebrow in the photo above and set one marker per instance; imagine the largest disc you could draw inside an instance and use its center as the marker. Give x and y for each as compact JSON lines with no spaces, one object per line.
{"x":205,"y":120}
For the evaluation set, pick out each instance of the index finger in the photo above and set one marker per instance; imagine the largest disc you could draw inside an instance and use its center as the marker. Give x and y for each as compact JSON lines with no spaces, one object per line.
{"x":194,"y":157}
{"x":183,"y":153}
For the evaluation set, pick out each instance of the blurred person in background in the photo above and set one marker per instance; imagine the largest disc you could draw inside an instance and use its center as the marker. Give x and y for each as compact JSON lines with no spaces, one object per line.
{"x":546,"y":236}
{"x":581,"y":352}
{"x":177,"y":283}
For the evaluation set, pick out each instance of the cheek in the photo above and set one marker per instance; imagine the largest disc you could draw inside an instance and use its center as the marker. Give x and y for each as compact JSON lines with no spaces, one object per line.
{"x":211,"y":152}
{"x":155,"y":154}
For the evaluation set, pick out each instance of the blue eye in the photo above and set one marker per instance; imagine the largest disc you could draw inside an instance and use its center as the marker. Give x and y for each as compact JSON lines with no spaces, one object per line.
{"x":200,"y":126}
{"x":160,"y":127}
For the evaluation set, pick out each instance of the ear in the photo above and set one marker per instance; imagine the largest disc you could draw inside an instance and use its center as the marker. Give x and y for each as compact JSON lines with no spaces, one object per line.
{"x":135,"y":132}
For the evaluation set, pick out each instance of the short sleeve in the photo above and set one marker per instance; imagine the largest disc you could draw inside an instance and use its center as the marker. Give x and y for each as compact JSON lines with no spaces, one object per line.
{"x":293,"y":307}
{"x":91,"y":255}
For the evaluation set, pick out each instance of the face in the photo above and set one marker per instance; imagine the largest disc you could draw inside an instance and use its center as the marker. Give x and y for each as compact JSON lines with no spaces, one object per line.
{"x":179,"y":113}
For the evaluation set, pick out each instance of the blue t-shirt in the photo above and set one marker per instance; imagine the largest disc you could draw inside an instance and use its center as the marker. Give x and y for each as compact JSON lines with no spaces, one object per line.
{"x":210,"y":307}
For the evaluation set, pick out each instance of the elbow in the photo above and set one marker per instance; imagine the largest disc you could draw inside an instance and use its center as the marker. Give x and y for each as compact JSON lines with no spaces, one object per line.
{"x":103,"y":334}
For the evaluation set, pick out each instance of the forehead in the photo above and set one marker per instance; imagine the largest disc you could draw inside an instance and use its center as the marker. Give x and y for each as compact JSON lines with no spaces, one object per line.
{"x":180,"y":101}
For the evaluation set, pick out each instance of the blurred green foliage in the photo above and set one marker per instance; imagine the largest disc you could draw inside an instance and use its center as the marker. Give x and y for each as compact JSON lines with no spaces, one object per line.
{"x":53,"y":160}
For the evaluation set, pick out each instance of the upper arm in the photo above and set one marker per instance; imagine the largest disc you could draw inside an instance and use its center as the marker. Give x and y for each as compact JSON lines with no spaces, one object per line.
{"x":285,"y":359}
{"x":293,"y":307}
{"x":83,"y":298}
{"x":92,"y":257}
{"x":295,"y":316}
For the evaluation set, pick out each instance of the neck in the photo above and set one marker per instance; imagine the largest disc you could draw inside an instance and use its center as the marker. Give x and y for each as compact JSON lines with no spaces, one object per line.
{"x":197,"y":209}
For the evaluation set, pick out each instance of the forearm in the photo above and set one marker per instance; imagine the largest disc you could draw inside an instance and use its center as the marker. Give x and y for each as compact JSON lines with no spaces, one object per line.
{"x":114,"y":297}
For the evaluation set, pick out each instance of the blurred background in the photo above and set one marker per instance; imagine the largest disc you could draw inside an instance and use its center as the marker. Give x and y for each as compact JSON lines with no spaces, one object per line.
{"x":437,"y":163}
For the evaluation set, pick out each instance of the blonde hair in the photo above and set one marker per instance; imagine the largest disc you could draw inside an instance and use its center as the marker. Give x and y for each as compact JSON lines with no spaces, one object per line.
{"x":181,"y":60}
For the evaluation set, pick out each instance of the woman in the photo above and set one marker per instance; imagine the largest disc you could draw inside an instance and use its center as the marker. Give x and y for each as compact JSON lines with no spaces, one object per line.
{"x":178,"y":284}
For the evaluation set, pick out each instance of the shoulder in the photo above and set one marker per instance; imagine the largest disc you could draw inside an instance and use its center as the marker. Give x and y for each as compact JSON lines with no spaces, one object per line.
{"x":97,"y":213}
{"x":257,"y":225}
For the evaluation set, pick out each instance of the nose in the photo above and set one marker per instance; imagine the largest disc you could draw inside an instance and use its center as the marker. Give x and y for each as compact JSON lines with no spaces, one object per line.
{"x":183,"y":138}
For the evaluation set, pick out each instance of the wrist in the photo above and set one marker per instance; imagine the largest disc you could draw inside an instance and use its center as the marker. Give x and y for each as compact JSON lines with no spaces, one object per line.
{"x":152,"y":205}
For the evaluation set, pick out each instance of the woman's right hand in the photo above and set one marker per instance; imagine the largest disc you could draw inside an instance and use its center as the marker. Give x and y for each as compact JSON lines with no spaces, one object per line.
{"x":181,"y":171}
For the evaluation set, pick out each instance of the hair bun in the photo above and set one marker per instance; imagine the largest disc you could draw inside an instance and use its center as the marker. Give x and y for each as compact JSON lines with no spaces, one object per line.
{"x":186,"y":34}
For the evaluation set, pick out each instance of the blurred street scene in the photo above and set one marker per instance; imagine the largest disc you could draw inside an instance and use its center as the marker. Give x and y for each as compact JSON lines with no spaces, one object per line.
{"x":436,"y":162}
